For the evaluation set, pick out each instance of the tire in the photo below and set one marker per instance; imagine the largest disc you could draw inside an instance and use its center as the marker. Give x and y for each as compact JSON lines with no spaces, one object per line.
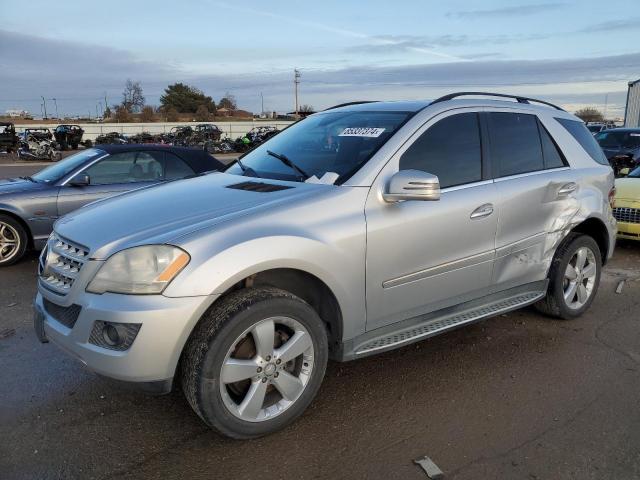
{"x":227,"y":329}
{"x":13,"y":240}
{"x":555,"y":304}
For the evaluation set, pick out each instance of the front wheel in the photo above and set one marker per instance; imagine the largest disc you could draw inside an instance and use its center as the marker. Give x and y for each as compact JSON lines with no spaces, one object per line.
{"x":254,"y":362}
{"x":13,"y":241}
{"x":574,"y":277}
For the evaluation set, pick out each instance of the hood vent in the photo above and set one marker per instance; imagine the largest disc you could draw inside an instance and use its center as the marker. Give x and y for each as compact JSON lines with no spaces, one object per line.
{"x":258,"y":187}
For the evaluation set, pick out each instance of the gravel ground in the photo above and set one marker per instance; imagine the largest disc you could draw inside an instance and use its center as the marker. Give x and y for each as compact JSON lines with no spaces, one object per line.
{"x":519,"y":396}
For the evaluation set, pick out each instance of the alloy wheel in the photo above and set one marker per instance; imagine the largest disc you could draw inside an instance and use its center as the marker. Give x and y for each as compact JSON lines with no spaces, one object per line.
{"x":9,"y":242}
{"x":579,"y":278}
{"x":267,"y":369}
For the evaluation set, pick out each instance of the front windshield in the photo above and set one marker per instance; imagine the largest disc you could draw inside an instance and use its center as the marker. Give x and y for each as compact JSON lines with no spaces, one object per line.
{"x":59,"y":170}
{"x":332,"y":142}
{"x":594,"y":128}
{"x":619,"y":139}
{"x":635,"y":173}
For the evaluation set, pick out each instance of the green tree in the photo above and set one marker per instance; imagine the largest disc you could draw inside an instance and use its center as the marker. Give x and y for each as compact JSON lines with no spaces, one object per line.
{"x":107,"y":112}
{"x":590,"y":114}
{"x":185,"y":99}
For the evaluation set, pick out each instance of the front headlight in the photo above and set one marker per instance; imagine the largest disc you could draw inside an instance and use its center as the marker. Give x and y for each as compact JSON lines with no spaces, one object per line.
{"x":140,"y":270}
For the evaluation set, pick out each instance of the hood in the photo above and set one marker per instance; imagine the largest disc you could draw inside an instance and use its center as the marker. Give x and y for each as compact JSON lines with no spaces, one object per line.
{"x":628,"y":189}
{"x":163,"y":213}
{"x":15,"y":185}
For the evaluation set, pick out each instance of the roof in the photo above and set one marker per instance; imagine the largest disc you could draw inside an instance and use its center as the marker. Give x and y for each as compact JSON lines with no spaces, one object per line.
{"x":623,"y":130}
{"x":199,"y":160}
{"x":633,"y":82}
{"x":398,"y":106}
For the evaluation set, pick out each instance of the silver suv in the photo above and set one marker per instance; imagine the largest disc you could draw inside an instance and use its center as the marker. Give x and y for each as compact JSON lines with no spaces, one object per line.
{"x":361,"y":229}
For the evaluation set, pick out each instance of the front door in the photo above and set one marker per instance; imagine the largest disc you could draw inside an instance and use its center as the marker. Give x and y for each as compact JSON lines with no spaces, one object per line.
{"x":114,"y":174}
{"x":427,"y":255}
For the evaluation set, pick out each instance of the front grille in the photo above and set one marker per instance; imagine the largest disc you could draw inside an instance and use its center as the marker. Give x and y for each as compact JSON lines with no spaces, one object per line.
{"x":60,"y":264}
{"x":627,"y":215}
{"x":67,"y":316}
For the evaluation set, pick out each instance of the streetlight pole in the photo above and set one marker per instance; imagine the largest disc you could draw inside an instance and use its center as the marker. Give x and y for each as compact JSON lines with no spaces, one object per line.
{"x":262,"y":101}
{"x":296,"y":82}
{"x":44,"y":102}
{"x":56,"y":104}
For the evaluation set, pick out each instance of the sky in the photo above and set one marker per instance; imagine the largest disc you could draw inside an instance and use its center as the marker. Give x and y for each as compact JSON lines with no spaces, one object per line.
{"x":576,"y":53}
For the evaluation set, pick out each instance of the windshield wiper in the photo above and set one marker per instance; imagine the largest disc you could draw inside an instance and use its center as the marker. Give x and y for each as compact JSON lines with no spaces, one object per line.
{"x":284,"y":159}
{"x":246,"y":169}
{"x":28,"y":178}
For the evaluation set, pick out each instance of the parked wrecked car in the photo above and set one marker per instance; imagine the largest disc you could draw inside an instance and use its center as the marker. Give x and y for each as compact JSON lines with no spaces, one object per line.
{"x":68,"y":136}
{"x":627,"y":206}
{"x":30,"y":205}
{"x":38,"y":144}
{"x":357,"y":230}
{"x":8,"y":137}
{"x":622,"y":147}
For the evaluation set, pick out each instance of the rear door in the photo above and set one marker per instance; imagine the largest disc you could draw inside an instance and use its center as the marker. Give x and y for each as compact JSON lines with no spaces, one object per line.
{"x":114,"y":174}
{"x":535,"y":189}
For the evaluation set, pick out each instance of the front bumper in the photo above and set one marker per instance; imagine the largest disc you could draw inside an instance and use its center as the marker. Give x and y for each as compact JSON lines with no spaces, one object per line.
{"x":629,"y":231}
{"x":166,"y":324}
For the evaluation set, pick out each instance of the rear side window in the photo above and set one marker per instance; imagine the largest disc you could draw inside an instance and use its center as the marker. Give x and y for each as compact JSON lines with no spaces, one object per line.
{"x":450,"y":149}
{"x":553,"y":157}
{"x":583,"y":136}
{"x":515,"y":143}
{"x":175,"y":168}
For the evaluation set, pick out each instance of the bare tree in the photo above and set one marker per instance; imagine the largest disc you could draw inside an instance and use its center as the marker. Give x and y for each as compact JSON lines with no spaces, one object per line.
{"x":132,"y":96}
{"x":306,"y":109}
{"x":228,"y":102}
{"x":172,"y":115}
{"x":147,"y":114}
{"x":590,"y":114}
{"x":202,"y":114}
{"x":122,"y":114}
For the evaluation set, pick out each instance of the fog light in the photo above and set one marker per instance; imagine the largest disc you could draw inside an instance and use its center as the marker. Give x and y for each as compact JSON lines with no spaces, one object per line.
{"x":114,"y":336}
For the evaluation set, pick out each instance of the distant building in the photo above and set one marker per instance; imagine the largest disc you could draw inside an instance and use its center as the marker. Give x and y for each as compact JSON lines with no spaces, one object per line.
{"x":16,"y":113}
{"x":632,"y":110}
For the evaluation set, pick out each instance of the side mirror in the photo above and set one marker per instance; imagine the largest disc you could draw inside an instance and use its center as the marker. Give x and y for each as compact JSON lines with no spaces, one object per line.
{"x":412,"y":185}
{"x":80,"y":180}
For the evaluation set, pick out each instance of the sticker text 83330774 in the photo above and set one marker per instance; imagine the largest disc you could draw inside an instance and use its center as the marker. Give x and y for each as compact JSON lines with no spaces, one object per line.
{"x":362,"y":132}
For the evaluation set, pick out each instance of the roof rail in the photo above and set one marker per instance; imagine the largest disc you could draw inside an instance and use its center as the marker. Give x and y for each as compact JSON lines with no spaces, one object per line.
{"x":349,"y":103}
{"x":519,"y":99}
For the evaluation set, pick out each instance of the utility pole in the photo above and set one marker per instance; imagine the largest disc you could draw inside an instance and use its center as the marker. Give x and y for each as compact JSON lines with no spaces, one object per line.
{"x":56,"y":104}
{"x":606,"y":104}
{"x":44,"y":102}
{"x":296,"y":82}
{"x":262,"y":100}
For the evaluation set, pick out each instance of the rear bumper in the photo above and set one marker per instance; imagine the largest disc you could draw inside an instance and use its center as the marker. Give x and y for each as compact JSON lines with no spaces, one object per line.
{"x":151,"y":360}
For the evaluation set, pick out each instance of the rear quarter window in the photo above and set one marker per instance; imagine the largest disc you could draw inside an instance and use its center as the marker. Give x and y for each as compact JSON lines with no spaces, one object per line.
{"x":583,"y":136}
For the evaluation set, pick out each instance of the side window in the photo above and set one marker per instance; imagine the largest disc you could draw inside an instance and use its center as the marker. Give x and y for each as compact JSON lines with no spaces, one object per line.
{"x":175,"y":168}
{"x":127,"y":167}
{"x":450,"y":149}
{"x":515,"y":143}
{"x":583,"y":136}
{"x":553,"y":157}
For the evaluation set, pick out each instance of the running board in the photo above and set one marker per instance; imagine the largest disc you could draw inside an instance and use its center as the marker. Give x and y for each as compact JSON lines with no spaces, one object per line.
{"x":443,"y":323}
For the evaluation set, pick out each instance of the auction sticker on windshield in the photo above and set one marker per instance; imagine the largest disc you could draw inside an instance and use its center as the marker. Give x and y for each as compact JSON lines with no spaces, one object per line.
{"x":362,"y":132}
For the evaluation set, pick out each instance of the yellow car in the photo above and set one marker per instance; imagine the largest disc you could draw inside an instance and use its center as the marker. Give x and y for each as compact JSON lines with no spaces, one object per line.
{"x":627,"y":205}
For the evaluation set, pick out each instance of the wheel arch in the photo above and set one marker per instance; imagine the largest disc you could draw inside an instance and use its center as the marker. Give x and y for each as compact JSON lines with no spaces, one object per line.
{"x":596,"y":229}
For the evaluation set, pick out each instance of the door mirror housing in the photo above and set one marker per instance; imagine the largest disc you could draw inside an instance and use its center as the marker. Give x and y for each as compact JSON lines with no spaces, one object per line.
{"x":412,"y":185}
{"x":80,"y":180}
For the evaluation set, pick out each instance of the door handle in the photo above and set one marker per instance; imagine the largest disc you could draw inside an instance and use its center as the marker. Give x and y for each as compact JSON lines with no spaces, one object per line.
{"x":482,"y":211}
{"x":567,"y":189}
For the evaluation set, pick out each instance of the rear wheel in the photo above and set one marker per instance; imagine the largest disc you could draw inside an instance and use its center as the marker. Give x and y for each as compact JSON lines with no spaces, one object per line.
{"x":254,"y":362}
{"x":13,"y":241}
{"x":574,"y":277}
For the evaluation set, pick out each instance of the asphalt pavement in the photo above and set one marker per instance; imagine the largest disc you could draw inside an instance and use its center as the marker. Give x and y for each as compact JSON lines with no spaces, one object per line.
{"x":519,"y":396}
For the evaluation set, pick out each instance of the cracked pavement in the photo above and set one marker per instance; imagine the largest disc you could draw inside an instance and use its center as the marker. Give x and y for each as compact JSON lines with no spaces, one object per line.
{"x":519,"y":396}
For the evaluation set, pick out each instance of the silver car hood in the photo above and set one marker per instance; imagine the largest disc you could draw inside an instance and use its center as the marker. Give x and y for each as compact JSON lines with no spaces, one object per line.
{"x":163,"y":213}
